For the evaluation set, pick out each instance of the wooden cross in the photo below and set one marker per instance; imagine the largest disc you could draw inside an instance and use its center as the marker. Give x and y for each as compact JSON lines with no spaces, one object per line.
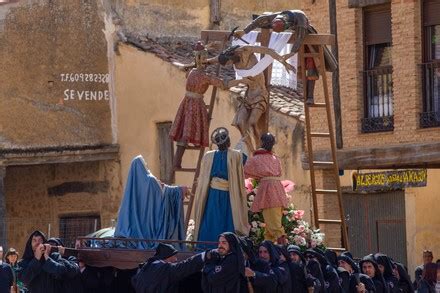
{"x":264,"y":38}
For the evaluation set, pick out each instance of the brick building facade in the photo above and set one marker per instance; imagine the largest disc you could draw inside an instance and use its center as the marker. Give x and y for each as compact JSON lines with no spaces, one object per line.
{"x":389,"y":88}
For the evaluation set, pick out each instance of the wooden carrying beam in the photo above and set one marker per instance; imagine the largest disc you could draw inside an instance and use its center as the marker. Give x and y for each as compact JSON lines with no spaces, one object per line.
{"x":311,"y":39}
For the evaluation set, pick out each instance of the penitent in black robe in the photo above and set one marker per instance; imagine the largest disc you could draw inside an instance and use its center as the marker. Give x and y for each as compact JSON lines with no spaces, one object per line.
{"x":222,"y":275}
{"x":161,"y":277}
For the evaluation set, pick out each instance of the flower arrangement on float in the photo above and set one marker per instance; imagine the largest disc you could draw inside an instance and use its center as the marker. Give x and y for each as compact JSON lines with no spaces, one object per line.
{"x":298,"y":230}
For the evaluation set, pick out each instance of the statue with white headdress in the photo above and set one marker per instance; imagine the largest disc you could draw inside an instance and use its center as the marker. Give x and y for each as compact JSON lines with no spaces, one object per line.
{"x":220,"y":199}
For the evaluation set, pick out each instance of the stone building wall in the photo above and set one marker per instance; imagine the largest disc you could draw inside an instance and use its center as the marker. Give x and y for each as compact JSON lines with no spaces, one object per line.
{"x":54,"y":73}
{"x":32,"y":204}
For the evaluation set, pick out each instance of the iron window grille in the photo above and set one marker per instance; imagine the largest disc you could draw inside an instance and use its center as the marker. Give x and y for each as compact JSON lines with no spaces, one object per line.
{"x":72,"y":227}
{"x":378,"y":100}
{"x":430,"y":117}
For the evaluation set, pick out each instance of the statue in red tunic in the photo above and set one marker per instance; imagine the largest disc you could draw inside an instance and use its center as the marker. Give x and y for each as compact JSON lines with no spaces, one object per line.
{"x":191,"y":123}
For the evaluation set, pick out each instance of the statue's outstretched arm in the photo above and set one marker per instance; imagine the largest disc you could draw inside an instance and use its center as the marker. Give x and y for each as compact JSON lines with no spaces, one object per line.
{"x":300,"y":34}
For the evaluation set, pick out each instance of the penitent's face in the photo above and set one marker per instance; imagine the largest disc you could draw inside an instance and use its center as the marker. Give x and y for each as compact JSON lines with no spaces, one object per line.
{"x":223,"y":246}
{"x":36,"y":241}
{"x":368,"y":269}
{"x":263,"y":253}
{"x":294,"y":257}
{"x":346,"y":266}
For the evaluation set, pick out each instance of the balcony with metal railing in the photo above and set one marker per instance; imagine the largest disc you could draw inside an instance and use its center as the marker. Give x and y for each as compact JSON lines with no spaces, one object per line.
{"x":430,"y":117}
{"x":378,"y":92}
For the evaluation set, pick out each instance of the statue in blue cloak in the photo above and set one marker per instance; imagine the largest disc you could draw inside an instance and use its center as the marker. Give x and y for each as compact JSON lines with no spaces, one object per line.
{"x":149,"y":209}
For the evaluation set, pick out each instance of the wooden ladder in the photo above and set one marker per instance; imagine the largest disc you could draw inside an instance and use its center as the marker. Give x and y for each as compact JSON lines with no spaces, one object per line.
{"x":196,"y":171}
{"x":318,"y":57}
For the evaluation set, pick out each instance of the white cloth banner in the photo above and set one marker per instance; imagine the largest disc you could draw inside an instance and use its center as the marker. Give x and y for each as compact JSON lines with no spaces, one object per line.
{"x":277,"y":42}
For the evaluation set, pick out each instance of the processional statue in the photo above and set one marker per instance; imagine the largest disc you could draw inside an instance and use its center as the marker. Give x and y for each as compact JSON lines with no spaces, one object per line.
{"x":297,"y":21}
{"x":253,"y":105}
{"x":191,"y":123}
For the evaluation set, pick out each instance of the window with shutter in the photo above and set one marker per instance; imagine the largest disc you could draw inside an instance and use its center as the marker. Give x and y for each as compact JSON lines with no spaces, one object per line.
{"x":430,"y":117}
{"x":72,"y":227}
{"x":378,"y":83}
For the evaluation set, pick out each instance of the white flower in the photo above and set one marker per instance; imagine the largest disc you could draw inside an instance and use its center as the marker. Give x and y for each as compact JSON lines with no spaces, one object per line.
{"x":251,"y":198}
{"x":254,"y":224}
{"x":318,"y":238}
{"x":299,"y":240}
{"x":191,"y":222}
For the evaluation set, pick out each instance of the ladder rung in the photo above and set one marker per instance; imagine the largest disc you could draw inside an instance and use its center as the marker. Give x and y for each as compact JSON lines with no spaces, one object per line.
{"x":185,"y":169}
{"x":316,"y":55}
{"x":336,"y":248}
{"x":317,"y":105}
{"x":326,"y":191}
{"x":320,"y":134}
{"x":328,"y":221}
{"x":322,"y":163}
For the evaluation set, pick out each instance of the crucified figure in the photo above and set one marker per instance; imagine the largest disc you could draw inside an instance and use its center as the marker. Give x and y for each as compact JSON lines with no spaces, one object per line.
{"x":249,"y":116}
{"x":297,"y":21}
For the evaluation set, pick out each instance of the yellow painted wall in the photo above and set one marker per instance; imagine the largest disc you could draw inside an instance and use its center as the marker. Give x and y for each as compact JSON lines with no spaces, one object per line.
{"x":149,"y":90}
{"x":42,"y":42}
{"x":422,"y":218}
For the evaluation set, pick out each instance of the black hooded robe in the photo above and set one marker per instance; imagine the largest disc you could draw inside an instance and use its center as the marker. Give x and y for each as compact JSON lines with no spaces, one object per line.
{"x":315,"y":277}
{"x":388,"y":275}
{"x":225,"y":273}
{"x":378,"y":280}
{"x":90,"y":279}
{"x":72,"y":279}
{"x":418,"y":276}
{"x":283,"y":270}
{"x":6,"y":278}
{"x":265,"y":280}
{"x":41,"y":275}
{"x":344,"y":275}
{"x":159,"y":276}
{"x":297,"y":271}
{"x":329,"y":272}
{"x":404,"y":284}
{"x":357,"y":278}
{"x":298,"y":277}
{"x":222,"y":275}
{"x":282,"y":273}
